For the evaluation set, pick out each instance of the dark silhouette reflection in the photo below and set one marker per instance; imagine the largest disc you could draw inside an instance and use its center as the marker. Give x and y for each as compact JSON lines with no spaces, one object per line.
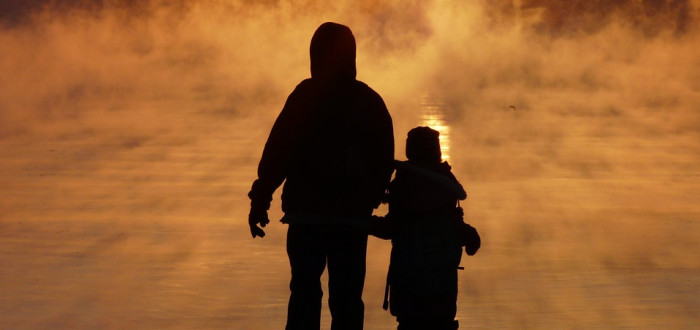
{"x":427,"y":233}
{"x":333,"y":146}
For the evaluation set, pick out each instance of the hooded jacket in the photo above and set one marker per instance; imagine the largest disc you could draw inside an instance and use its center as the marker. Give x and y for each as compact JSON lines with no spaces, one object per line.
{"x":333,"y":143}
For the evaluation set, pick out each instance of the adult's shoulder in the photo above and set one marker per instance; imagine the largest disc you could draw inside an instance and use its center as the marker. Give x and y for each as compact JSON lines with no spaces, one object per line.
{"x":306,"y":90}
{"x":305,"y":86}
{"x":363,"y":87}
{"x":369,"y":93}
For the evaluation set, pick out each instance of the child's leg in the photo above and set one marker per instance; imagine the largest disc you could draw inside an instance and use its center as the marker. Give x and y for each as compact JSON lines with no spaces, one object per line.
{"x":436,"y":312}
{"x":427,"y":323}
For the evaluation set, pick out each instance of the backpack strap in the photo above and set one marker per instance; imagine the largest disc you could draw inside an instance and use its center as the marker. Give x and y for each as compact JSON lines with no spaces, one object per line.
{"x":385,"y":304}
{"x":389,"y":276}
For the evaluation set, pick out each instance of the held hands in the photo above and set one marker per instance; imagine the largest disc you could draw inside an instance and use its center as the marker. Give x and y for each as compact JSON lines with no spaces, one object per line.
{"x":380,"y":227}
{"x":257,"y":217}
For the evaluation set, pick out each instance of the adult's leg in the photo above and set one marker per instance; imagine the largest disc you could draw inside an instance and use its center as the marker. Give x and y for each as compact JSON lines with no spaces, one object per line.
{"x":347,"y":256}
{"x":307,"y":258}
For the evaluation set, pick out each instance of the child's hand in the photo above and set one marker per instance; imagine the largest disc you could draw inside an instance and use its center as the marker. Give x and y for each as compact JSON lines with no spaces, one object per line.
{"x":380,"y":227}
{"x":469,"y":238}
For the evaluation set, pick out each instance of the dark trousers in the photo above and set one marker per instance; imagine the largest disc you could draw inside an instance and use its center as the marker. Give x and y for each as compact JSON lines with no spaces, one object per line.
{"x":434,"y":312}
{"x":310,"y":248}
{"x":424,"y":324}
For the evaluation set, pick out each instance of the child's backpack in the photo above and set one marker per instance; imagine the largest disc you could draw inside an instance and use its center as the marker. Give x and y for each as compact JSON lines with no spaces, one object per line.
{"x":428,"y":233}
{"x":425,"y":256}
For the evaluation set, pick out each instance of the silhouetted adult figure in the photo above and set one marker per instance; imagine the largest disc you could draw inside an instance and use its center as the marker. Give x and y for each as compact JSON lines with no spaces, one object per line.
{"x":333,"y":144}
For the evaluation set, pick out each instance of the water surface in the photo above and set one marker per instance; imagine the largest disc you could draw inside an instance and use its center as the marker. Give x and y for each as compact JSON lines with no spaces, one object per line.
{"x":112,"y":224}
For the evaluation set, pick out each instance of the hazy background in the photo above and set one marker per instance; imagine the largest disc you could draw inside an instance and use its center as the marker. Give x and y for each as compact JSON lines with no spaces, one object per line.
{"x":130,"y":132}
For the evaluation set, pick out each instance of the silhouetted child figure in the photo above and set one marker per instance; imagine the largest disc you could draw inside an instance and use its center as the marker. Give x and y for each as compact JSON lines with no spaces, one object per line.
{"x":427,"y":233}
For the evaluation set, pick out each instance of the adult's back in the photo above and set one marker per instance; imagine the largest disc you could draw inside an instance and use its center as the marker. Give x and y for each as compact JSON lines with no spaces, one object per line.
{"x":333,"y":141}
{"x":333,"y":144}
{"x":342,"y":161}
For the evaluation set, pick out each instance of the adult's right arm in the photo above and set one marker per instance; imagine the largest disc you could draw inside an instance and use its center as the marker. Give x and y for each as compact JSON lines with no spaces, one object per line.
{"x":280,"y":148}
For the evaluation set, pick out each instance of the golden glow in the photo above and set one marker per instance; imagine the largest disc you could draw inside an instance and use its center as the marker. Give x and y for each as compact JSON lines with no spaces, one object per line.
{"x":433,"y":116}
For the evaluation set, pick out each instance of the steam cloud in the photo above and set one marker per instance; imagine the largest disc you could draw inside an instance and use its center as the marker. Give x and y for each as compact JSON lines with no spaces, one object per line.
{"x":591,"y":80}
{"x":622,"y":71}
{"x":59,"y":55}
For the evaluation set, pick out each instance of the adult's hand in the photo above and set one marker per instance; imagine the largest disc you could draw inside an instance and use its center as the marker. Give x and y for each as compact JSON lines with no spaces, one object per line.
{"x":257,"y":217}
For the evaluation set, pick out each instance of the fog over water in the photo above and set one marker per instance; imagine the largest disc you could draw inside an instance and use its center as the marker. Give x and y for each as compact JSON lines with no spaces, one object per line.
{"x":130,"y":133}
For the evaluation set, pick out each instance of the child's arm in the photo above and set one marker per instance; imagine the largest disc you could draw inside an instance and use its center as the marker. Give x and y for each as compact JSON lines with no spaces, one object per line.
{"x":380,"y":227}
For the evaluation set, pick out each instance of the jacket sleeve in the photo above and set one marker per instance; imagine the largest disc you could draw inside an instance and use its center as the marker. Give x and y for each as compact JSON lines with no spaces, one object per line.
{"x":385,"y":151}
{"x":285,"y":136}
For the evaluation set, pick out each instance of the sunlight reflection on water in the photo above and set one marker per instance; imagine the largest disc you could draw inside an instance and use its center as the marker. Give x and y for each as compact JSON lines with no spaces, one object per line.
{"x":433,"y":116}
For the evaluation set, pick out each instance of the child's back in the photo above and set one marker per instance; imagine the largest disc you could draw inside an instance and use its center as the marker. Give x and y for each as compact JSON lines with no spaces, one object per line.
{"x":426,"y":250}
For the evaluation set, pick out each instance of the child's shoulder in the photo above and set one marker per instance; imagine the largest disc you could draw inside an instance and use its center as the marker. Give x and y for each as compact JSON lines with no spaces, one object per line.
{"x":438,"y":173}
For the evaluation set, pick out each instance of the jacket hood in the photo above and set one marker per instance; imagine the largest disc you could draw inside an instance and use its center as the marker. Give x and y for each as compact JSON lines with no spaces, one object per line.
{"x":423,"y":145}
{"x":333,"y":53}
